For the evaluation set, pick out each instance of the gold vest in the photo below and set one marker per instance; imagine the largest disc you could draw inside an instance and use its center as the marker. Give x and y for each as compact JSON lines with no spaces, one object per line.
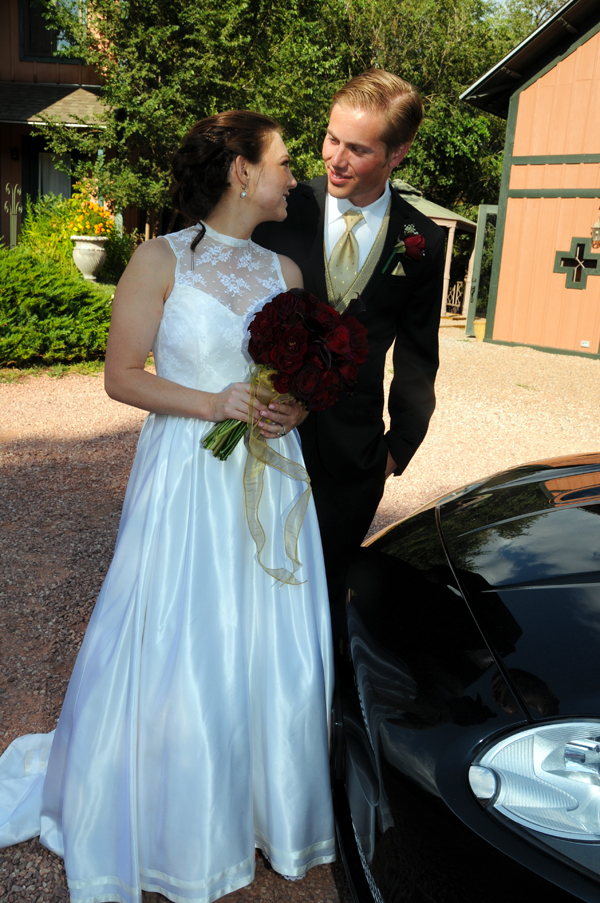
{"x":365,"y":273}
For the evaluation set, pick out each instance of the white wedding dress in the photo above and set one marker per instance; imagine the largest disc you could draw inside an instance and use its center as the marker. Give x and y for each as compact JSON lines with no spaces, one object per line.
{"x":195,"y":725}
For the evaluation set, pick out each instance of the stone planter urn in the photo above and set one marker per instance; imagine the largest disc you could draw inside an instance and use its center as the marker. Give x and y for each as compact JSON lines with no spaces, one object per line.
{"x":89,"y":254}
{"x":479,"y":329}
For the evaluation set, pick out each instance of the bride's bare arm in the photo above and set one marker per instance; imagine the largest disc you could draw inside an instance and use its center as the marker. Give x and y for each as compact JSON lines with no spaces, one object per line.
{"x":137,"y":309}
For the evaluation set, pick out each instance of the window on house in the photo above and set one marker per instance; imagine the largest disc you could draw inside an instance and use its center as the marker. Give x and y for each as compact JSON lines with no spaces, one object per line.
{"x":39,"y":42}
{"x":50,"y":179}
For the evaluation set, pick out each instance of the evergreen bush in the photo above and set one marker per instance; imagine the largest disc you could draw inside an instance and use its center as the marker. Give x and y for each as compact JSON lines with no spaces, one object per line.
{"x":48,"y":313}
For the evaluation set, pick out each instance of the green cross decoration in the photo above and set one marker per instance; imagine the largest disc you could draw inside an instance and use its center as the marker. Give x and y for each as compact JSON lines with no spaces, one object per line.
{"x":578,"y":263}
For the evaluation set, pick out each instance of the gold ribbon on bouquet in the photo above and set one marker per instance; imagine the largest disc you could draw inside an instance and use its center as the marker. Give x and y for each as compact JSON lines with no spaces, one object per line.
{"x":261,"y":454}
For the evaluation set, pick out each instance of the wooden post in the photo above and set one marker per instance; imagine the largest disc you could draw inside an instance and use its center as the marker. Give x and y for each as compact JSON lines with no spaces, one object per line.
{"x":485,"y":210}
{"x":449,"y":247}
{"x":465,"y":299}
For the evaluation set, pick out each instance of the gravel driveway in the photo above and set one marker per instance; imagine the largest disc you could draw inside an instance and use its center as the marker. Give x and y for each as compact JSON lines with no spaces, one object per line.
{"x":65,"y":454}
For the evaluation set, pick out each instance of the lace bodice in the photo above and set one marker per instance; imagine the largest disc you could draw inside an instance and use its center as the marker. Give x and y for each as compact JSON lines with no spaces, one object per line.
{"x":202,"y":340}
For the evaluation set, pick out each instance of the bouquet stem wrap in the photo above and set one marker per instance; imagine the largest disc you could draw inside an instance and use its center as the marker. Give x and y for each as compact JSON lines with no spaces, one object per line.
{"x":260,"y":454}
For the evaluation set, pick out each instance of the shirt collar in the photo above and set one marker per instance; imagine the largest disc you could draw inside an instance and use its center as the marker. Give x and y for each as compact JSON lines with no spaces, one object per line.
{"x":373,"y":213}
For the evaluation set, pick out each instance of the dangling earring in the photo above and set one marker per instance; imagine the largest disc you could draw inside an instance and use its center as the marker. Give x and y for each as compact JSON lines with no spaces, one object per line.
{"x":243,"y":192}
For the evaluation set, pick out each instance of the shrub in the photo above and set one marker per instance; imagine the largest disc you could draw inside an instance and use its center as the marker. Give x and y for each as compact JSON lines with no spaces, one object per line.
{"x":48,"y":312}
{"x":50,"y":221}
{"x":119,"y":249}
{"x":46,"y":230}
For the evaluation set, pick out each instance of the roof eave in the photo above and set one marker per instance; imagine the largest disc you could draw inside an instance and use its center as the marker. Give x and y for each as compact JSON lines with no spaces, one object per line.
{"x":495,"y":98}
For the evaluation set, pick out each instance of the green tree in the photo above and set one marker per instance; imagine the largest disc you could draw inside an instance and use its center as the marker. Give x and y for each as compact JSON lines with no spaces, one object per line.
{"x":443,"y":46}
{"x":518,"y":18}
{"x":167,"y":63}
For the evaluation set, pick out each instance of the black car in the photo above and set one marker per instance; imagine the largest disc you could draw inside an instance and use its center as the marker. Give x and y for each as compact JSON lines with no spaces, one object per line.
{"x":466,"y":748}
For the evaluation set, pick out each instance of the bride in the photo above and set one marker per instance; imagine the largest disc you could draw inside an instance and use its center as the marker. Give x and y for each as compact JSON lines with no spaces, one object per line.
{"x":195,"y":725}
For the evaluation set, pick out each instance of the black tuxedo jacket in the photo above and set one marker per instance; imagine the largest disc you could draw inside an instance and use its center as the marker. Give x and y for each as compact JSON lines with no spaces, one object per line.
{"x":348,"y":438}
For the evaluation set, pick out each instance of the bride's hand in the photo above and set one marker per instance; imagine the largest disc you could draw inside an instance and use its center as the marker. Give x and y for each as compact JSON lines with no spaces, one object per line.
{"x":289,"y":415}
{"x":232,"y":404}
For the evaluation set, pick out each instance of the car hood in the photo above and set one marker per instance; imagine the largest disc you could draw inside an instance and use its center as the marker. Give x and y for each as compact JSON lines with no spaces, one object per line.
{"x":525,"y":549}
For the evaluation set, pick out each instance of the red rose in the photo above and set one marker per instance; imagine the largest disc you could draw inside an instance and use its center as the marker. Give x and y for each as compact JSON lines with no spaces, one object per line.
{"x":259,"y":355}
{"x":339,"y":340}
{"x":323,"y":317}
{"x":284,"y":360}
{"x":288,"y":353}
{"x":262,"y":334}
{"x":263,"y":320}
{"x":290,"y":307}
{"x":295,"y":340}
{"x":315,"y":356}
{"x":324,"y":399}
{"x":331,"y":379}
{"x":415,"y":245}
{"x":282,"y":383}
{"x":306,"y":382}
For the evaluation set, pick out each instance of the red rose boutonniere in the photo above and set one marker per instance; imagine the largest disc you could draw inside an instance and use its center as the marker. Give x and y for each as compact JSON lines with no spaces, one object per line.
{"x":412,"y":244}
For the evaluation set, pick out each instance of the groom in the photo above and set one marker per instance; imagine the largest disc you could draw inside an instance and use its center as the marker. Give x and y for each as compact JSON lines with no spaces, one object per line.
{"x":344,"y":230}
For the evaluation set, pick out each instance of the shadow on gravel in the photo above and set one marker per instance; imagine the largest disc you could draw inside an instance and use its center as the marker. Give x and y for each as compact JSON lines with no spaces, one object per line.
{"x":61,"y":503}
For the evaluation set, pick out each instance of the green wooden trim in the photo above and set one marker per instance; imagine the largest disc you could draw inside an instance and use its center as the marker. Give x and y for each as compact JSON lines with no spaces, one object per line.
{"x":589,"y":354}
{"x":511,"y":125}
{"x":485,"y":210}
{"x":565,"y":271}
{"x":554,"y":193}
{"x":582,"y":39}
{"x":549,"y":159}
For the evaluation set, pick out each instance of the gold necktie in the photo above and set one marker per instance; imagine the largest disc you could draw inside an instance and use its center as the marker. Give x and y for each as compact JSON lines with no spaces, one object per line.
{"x":343,"y":263}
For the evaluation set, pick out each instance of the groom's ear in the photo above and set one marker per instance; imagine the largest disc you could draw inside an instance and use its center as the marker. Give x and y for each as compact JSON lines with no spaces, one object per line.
{"x":398,"y":154}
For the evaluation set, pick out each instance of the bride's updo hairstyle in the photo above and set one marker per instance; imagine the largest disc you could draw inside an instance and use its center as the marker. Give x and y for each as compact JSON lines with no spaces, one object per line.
{"x":202,"y":163}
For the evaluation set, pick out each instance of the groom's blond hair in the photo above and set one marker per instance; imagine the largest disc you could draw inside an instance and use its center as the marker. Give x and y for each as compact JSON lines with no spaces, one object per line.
{"x":377,"y":91}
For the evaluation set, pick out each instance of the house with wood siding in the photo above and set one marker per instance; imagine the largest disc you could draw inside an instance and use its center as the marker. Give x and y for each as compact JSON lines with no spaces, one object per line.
{"x":545,"y":285}
{"x":35,"y":82}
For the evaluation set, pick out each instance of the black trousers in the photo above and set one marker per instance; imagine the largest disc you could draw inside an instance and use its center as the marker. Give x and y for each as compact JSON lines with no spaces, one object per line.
{"x":345,"y":511}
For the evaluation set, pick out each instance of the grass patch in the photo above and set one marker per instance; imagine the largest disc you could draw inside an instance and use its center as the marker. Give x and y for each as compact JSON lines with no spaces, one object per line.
{"x":17,"y":374}
{"x":85,"y":368}
{"x":14,"y":375}
{"x":56,"y":371}
{"x":526,"y":386}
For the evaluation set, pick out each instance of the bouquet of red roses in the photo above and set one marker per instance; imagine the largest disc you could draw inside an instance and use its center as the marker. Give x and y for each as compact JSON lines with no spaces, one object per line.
{"x":304,"y":350}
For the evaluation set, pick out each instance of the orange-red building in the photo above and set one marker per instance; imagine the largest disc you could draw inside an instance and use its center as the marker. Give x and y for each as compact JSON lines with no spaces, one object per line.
{"x":545,"y":286}
{"x":34,"y":81}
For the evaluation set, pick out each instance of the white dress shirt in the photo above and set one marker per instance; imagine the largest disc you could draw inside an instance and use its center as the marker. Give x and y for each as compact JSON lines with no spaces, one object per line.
{"x":366,"y":231}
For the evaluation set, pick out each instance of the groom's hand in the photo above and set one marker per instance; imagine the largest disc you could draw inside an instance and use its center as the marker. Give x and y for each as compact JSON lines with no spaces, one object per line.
{"x":289,"y":415}
{"x":391,"y":466}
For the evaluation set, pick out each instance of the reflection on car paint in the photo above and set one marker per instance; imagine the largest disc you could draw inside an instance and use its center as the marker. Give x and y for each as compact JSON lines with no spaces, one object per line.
{"x":468,"y":620}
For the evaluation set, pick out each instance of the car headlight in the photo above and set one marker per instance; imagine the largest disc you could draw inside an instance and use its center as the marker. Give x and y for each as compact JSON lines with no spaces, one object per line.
{"x":546,"y":778}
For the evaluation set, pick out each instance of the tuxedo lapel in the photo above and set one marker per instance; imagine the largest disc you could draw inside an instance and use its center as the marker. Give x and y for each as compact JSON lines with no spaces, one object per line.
{"x":316,"y":260}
